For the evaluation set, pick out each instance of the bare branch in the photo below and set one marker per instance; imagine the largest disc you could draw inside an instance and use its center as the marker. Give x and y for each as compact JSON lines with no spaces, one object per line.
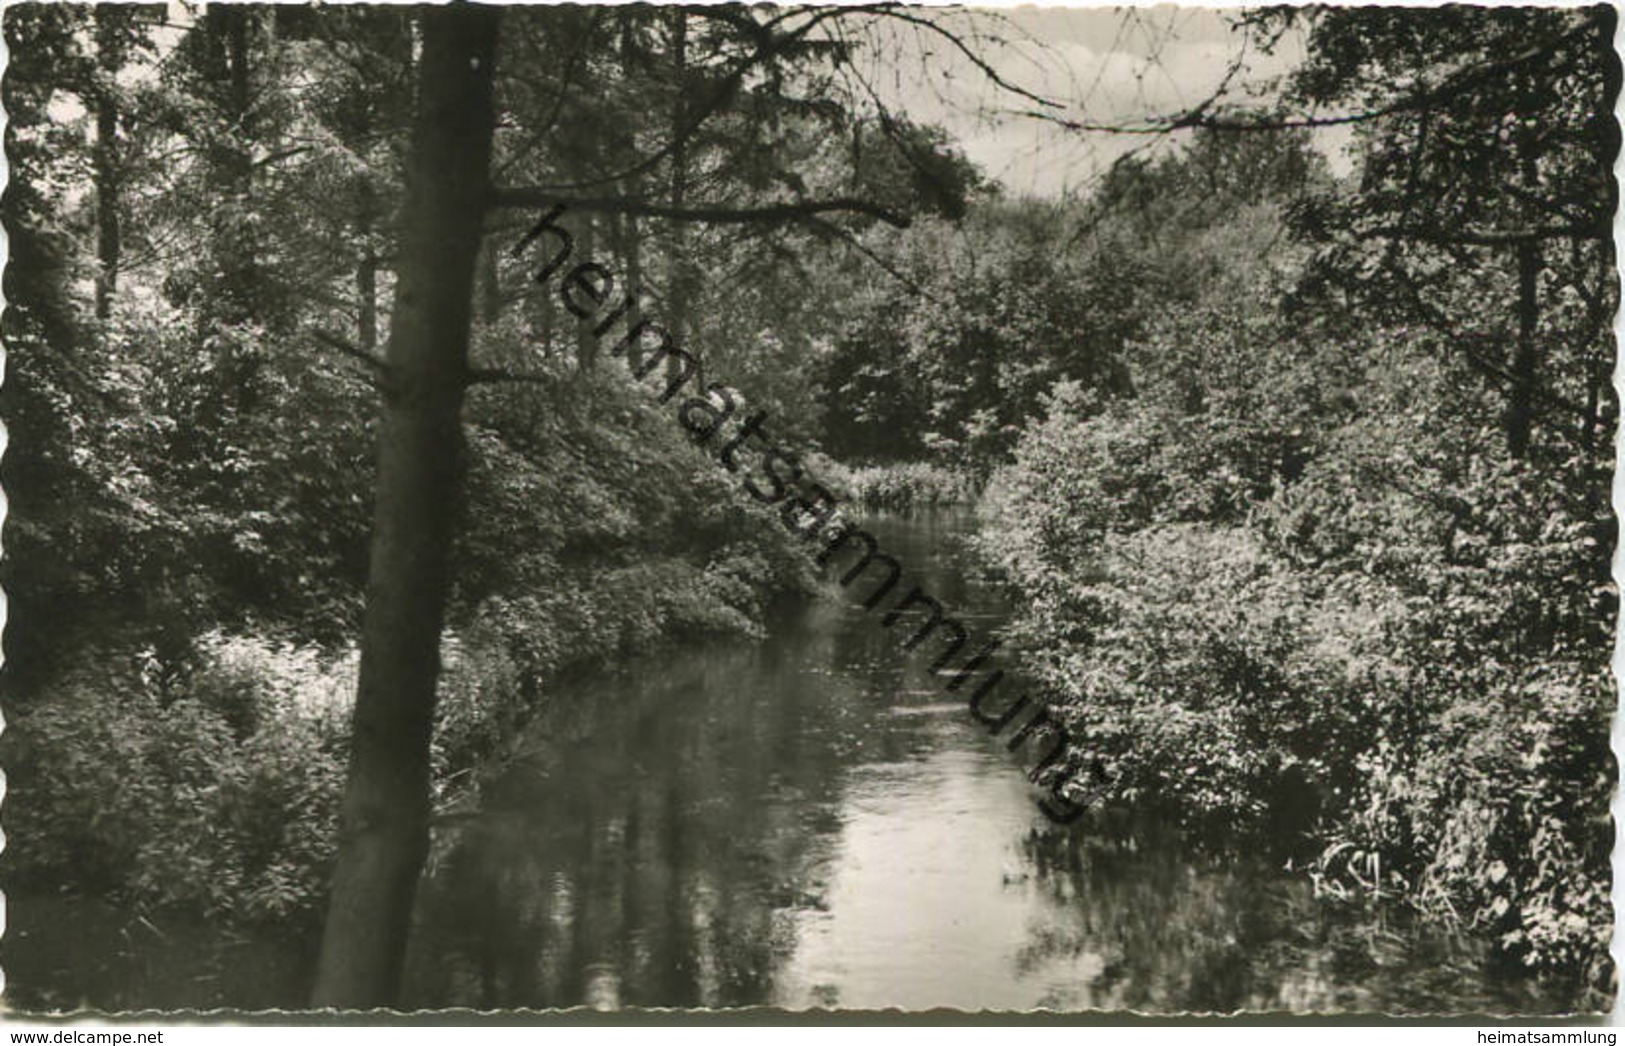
{"x":1425,"y":97}
{"x":720,"y":97}
{"x":885,"y":266}
{"x":577,"y":58}
{"x":1490,"y":237}
{"x":1198,"y":118}
{"x":538,"y":196}
{"x":901,"y":13}
{"x":333,"y":341}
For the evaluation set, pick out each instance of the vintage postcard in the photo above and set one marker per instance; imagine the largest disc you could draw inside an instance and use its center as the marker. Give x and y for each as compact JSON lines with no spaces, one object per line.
{"x":820,"y":508}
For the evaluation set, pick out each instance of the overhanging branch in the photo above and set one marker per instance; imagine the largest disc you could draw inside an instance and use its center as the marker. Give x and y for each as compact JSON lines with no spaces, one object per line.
{"x":333,"y":341}
{"x":1424,"y":97}
{"x":536,"y":196}
{"x":890,"y":269}
{"x":903,"y":13}
{"x":1490,"y":237}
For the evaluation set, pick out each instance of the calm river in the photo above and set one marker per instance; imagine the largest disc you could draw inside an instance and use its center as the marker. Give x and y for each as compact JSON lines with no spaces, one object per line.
{"x":806,"y":821}
{"x":809,"y":822}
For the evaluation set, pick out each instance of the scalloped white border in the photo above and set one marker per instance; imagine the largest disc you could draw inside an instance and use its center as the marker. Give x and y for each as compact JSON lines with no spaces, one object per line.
{"x":5,"y":440}
{"x":1617,"y":946}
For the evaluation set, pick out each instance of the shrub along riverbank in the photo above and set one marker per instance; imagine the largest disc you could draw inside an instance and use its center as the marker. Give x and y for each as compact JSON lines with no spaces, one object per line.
{"x":1306,"y":506}
{"x":900,"y":486}
{"x":1405,"y":693}
{"x":203,"y":777}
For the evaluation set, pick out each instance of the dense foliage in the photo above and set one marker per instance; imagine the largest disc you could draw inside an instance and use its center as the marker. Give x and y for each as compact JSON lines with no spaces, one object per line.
{"x":1337,"y":571}
{"x":900,"y":486}
{"x":208,"y":779}
{"x":192,"y":390}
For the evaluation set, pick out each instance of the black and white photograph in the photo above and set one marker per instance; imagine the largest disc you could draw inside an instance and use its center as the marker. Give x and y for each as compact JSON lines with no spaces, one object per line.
{"x":816,"y":510}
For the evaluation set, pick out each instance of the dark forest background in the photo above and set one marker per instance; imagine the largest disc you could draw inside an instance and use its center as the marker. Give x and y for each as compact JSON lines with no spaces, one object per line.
{"x":1303,"y":477}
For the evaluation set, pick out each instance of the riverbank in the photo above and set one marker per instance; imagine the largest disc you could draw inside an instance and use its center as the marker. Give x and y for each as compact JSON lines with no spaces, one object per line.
{"x":200,"y":833}
{"x":783,"y":822}
{"x":187,"y":769}
{"x":901,"y":486}
{"x":1335,"y":673}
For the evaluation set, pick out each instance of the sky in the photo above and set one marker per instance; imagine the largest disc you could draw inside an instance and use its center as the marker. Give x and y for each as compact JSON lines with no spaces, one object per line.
{"x":1116,"y":65}
{"x":1104,"y":65}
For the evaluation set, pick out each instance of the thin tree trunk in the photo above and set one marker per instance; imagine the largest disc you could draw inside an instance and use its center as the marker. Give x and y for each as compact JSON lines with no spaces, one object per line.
{"x":545,"y":314}
{"x":384,"y":833}
{"x":490,"y":284}
{"x":366,"y":285}
{"x":242,"y":261}
{"x":678,"y":294}
{"x":1595,"y":375}
{"x":109,"y":58}
{"x":1520,"y":416}
{"x":626,"y":225}
{"x":634,"y":252}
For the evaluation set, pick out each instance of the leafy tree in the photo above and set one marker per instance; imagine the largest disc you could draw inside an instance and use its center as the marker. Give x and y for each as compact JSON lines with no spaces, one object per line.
{"x":1339,"y":567}
{"x":1486,"y":177}
{"x":384,"y":831}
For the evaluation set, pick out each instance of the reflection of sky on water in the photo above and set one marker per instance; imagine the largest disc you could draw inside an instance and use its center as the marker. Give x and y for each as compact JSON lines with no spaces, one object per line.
{"x":931,"y":902}
{"x":803,"y":822}
{"x":806,"y":822}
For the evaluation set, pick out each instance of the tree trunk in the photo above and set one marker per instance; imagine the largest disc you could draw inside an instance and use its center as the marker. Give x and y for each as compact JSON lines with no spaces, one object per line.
{"x":679,"y":270}
{"x":634,"y":252}
{"x":1520,"y":415}
{"x":109,"y":58}
{"x":366,"y":286}
{"x":384,"y":831}
{"x":490,"y":284}
{"x":586,"y":340}
{"x":544,"y":315}
{"x":241,"y":264}
{"x":1596,"y":374}
{"x":627,"y":233}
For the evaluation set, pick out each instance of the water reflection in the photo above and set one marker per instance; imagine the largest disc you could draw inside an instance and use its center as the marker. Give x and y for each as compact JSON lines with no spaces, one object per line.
{"x":646,"y":863}
{"x":803,"y":822}
{"x":807,"y":822}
